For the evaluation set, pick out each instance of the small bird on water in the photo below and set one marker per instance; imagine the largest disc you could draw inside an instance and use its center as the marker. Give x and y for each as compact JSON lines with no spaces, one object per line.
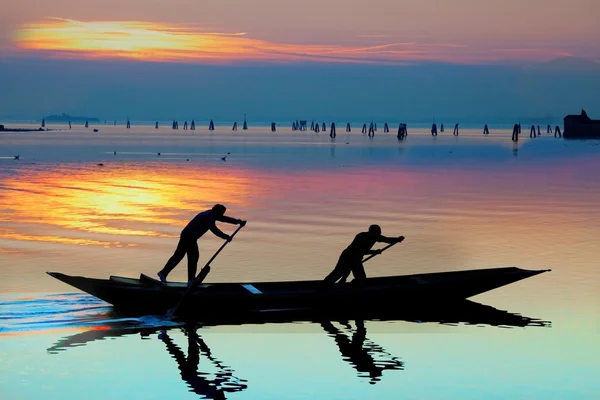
{"x":224,"y":158}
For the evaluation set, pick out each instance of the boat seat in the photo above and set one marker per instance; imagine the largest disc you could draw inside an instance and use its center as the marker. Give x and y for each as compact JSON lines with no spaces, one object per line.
{"x":251,"y":288}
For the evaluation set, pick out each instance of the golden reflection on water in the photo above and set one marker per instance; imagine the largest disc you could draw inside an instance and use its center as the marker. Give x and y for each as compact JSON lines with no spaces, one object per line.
{"x":46,"y":331}
{"x":128,"y":201}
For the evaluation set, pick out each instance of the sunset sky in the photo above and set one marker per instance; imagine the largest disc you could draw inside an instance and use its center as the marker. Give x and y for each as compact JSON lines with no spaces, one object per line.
{"x":276,"y":33}
{"x":463,"y":31}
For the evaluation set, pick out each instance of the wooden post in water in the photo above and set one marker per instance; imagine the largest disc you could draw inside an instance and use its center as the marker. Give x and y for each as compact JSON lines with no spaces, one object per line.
{"x":441,"y":127}
{"x":273,"y":128}
{"x":557,"y":131}
{"x":532,"y":132}
{"x":402,"y":131}
{"x":455,"y":132}
{"x":364,"y":128}
{"x":486,"y":131}
{"x":332,"y":130}
{"x":185,"y":126}
{"x":371,"y":130}
{"x":348,"y":127}
{"x":193,"y":126}
{"x":211,"y":125}
{"x":234,"y":128}
{"x":156,"y":125}
{"x":434,"y":130}
{"x":515,"y":133}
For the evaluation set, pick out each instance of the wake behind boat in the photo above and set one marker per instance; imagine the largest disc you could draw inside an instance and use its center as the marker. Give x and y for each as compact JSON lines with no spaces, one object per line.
{"x":148,"y":296}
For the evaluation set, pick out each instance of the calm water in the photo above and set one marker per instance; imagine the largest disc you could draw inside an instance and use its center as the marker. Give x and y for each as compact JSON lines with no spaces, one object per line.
{"x":462,"y":202}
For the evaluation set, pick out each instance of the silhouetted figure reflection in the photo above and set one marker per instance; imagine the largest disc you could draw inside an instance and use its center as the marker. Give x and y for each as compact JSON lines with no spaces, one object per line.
{"x":188,"y":366}
{"x":359,"y":352}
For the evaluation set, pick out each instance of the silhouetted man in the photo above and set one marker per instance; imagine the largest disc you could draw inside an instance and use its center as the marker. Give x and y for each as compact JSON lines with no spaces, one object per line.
{"x":351,"y":258}
{"x":197,"y":227}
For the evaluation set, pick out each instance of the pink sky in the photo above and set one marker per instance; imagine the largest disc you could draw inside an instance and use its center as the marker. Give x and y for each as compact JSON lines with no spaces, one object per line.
{"x":273,"y":30}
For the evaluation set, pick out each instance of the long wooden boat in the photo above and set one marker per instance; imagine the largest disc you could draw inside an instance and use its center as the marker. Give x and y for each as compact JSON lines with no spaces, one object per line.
{"x":148,"y":296}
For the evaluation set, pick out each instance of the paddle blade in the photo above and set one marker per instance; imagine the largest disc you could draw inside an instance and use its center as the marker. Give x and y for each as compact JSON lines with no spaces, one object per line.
{"x":202,"y":275}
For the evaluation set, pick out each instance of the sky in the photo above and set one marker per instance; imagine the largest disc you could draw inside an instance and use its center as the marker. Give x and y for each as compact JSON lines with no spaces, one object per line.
{"x":309,"y":51}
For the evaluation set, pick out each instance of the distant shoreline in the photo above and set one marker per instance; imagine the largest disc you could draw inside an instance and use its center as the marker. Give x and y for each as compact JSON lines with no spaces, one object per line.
{"x":25,"y":130}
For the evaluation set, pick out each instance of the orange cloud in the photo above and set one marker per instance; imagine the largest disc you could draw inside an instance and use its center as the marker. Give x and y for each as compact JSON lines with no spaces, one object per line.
{"x":150,"y":41}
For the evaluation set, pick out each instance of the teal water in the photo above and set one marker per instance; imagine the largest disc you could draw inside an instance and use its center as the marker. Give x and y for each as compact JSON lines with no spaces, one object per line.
{"x":462,"y":202}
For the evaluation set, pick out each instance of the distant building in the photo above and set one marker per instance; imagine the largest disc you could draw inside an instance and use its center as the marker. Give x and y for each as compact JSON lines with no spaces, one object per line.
{"x":581,"y":127}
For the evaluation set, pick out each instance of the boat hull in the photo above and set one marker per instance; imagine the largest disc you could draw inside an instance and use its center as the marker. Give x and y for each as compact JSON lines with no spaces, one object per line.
{"x":146,"y":296}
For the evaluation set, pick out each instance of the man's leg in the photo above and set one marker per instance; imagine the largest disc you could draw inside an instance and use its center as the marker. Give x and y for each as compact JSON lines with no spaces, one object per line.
{"x":341,"y":271}
{"x":358,"y":270}
{"x":175,"y":258}
{"x":192,"y":256}
{"x":337,"y":273}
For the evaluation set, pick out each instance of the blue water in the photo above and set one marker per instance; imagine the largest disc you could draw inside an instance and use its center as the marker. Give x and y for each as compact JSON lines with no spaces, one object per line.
{"x":462,"y":202}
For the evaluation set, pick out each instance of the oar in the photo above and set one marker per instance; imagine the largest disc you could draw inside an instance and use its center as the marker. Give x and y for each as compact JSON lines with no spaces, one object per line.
{"x":382,"y":250}
{"x":201,"y":276}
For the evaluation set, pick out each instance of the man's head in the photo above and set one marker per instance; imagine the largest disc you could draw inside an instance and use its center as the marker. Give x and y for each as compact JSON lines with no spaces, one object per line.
{"x":219,"y":210}
{"x":375,"y":230}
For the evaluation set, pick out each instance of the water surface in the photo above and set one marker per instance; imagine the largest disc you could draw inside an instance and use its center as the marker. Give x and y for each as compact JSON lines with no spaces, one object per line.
{"x":462,"y":202}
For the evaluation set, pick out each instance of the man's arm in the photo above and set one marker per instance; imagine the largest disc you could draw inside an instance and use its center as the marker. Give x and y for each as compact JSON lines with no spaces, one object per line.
{"x":219,"y":232}
{"x":389,"y":240}
{"x":229,"y":220}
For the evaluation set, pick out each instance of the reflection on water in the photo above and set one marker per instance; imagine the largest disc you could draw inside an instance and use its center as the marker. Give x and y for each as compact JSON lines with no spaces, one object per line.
{"x":111,"y":201}
{"x":463,"y":202}
{"x":200,"y":383}
{"x":359,"y":351}
{"x":369,"y":359}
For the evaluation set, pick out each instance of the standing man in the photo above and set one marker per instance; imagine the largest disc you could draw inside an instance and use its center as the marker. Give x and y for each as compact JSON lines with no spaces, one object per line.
{"x":197,"y":227}
{"x":351,"y":258}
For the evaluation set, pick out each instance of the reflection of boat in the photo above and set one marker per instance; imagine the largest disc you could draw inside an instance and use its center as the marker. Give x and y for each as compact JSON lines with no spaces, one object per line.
{"x":448,"y":313}
{"x":198,"y":382}
{"x":147,"y":296}
{"x":366,"y":357}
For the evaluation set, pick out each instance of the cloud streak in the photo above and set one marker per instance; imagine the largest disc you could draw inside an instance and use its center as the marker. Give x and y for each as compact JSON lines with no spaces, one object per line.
{"x":158,"y":42}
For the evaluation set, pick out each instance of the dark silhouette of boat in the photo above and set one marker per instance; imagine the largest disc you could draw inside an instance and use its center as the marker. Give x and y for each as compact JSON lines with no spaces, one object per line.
{"x":147,"y":296}
{"x":581,"y":127}
{"x":5,"y":129}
